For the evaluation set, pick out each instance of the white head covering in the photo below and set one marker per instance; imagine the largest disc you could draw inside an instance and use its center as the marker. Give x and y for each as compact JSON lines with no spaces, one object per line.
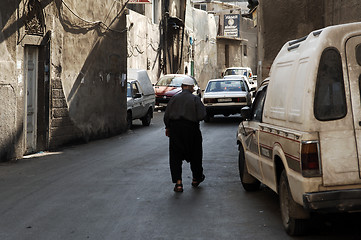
{"x":188,"y":81}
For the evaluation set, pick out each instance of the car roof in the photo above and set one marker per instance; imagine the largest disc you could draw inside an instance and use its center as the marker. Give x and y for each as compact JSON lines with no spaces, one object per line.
{"x":176,"y":75}
{"x":227,"y":79}
{"x":238,"y":68}
{"x":235,"y":77}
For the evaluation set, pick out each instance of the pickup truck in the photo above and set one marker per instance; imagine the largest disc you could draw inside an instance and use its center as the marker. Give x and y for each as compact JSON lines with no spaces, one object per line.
{"x":140,"y":97}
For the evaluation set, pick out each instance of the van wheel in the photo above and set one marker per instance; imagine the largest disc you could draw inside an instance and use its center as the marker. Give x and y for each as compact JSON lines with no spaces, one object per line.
{"x":147,"y":119}
{"x":249,"y":183}
{"x":129,"y":120}
{"x":295,"y":219}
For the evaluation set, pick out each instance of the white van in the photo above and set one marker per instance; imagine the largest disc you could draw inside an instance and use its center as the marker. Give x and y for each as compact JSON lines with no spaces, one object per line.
{"x":302,"y":137}
{"x":140,"y":97}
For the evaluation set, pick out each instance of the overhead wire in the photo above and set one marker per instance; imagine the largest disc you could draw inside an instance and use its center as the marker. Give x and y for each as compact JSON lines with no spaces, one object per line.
{"x":100,"y":23}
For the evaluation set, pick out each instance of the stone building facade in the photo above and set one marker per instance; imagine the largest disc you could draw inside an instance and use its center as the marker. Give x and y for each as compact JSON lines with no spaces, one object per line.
{"x":62,"y":72}
{"x":282,"y":20}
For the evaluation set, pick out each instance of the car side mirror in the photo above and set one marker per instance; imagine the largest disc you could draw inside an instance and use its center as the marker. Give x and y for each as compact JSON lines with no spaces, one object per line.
{"x":246,"y":113}
{"x":253,"y":89}
{"x":138,"y":95}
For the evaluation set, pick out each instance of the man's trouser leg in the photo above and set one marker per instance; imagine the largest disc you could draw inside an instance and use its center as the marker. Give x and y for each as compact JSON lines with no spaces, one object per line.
{"x":175,"y":162}
{"x":197,"y":155}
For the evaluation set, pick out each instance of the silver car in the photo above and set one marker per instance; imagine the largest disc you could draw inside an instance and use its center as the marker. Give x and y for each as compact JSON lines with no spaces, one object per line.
{"x":226,"y":96}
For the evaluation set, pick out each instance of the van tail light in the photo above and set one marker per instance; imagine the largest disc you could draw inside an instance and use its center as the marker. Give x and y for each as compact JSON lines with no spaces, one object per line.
{"x":310,"y":159}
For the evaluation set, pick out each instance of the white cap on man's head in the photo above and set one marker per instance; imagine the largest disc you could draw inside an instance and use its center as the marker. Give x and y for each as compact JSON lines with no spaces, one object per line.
{"x":188,"y":81}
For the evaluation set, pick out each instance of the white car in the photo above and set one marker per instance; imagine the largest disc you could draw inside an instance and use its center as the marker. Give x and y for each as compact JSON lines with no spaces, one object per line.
{"x":226,"y":96}
{"x":241,"y":71}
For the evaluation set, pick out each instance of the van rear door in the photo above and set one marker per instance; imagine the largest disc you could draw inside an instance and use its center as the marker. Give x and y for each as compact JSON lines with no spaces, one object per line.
{"x":353,"y":55}
{"x":338,"y":143}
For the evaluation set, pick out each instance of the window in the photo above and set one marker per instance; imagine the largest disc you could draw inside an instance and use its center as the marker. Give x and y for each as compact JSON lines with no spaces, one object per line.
{"x":135,"y":89}
{"x":226,"y":55}
{"x":226,"y":86}
{"x":139,"y":8}
{"x":330,"y":100}
{"x":155,"y":11}
{"x":257,"y":107}
{"x":358,"y":54}
{"x":201,"y":6}
{"x":245,"y":50}
{"x":129,"y":90}
{"x":359,"y":86}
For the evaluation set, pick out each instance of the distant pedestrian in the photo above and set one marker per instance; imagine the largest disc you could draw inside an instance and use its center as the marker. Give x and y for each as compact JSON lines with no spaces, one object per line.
{"x":182,"y":116}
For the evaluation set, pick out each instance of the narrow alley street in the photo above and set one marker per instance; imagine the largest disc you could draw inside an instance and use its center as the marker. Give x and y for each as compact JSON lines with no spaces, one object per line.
{"x":120,"y":188}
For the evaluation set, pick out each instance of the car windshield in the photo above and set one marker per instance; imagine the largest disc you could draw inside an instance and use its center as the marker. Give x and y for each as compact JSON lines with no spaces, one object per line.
{"x":235,"y":72}
{"x":226,"y":86}
{"x":129,"y":90}
{"x":171,"y":81}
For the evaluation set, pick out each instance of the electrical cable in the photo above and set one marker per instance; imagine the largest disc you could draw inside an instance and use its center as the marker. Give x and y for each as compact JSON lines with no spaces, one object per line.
{"x":100,"y":23}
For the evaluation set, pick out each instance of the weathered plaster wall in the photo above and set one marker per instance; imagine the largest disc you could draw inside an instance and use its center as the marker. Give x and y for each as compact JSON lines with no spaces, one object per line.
{"x":242,"y":51}
{"x":176,"y":8}
{"x":11,"y":85}
{"x":249,"y":32}
{"x":280,"y":21}
{"x":143,"y":44}
{"x":205,"y":47}
{"x":89,"y":60}
{"x":339,"y":11}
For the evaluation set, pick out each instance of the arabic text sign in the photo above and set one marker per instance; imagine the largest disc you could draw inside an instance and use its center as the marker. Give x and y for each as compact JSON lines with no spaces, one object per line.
{"x":231,"y":25}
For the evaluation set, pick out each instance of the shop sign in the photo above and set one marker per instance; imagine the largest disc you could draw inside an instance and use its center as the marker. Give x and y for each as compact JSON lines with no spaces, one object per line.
{"x":231,"y":25}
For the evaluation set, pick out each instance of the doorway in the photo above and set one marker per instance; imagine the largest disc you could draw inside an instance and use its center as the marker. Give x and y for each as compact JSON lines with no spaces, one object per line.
{"x":31,"y":106}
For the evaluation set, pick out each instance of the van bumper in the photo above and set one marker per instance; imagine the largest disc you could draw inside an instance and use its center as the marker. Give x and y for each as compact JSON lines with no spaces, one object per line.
{"x":333,"y":201}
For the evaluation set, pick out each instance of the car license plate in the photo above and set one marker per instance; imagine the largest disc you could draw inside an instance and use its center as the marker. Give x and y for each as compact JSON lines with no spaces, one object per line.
{"x":225,"y":100}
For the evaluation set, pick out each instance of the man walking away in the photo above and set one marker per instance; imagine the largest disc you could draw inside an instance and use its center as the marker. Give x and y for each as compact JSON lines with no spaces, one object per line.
{"x":182,"y":116}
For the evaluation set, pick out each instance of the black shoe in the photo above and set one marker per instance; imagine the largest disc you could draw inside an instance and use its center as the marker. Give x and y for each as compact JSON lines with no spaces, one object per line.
{"x":196,"y":182}
{"x":178,"y":187}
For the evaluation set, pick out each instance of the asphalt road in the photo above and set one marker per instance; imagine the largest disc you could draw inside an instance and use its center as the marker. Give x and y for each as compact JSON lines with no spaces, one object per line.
{"x":120,"y":188}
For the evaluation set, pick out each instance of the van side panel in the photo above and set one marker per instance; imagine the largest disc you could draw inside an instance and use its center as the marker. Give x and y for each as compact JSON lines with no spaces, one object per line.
{"x":295,"y":111}
{"x":275,"y":106}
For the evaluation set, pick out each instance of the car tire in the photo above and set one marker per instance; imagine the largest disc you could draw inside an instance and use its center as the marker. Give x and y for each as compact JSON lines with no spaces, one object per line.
{"x":129,"y":120}
{"x":293,"y":224}
{"x":249,"y":183}
{"x":147,"y":118}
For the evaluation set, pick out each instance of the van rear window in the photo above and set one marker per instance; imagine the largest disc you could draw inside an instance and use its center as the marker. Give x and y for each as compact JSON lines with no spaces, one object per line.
{"x":330,"y":100}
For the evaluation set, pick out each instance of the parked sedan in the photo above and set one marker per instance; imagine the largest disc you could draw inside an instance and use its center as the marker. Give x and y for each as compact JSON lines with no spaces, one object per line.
{"x":169,"y":85}
{"x":226,"y":96}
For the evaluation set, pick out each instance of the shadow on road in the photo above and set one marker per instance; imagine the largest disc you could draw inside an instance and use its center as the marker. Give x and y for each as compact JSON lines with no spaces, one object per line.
{"x":222,"y":119}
